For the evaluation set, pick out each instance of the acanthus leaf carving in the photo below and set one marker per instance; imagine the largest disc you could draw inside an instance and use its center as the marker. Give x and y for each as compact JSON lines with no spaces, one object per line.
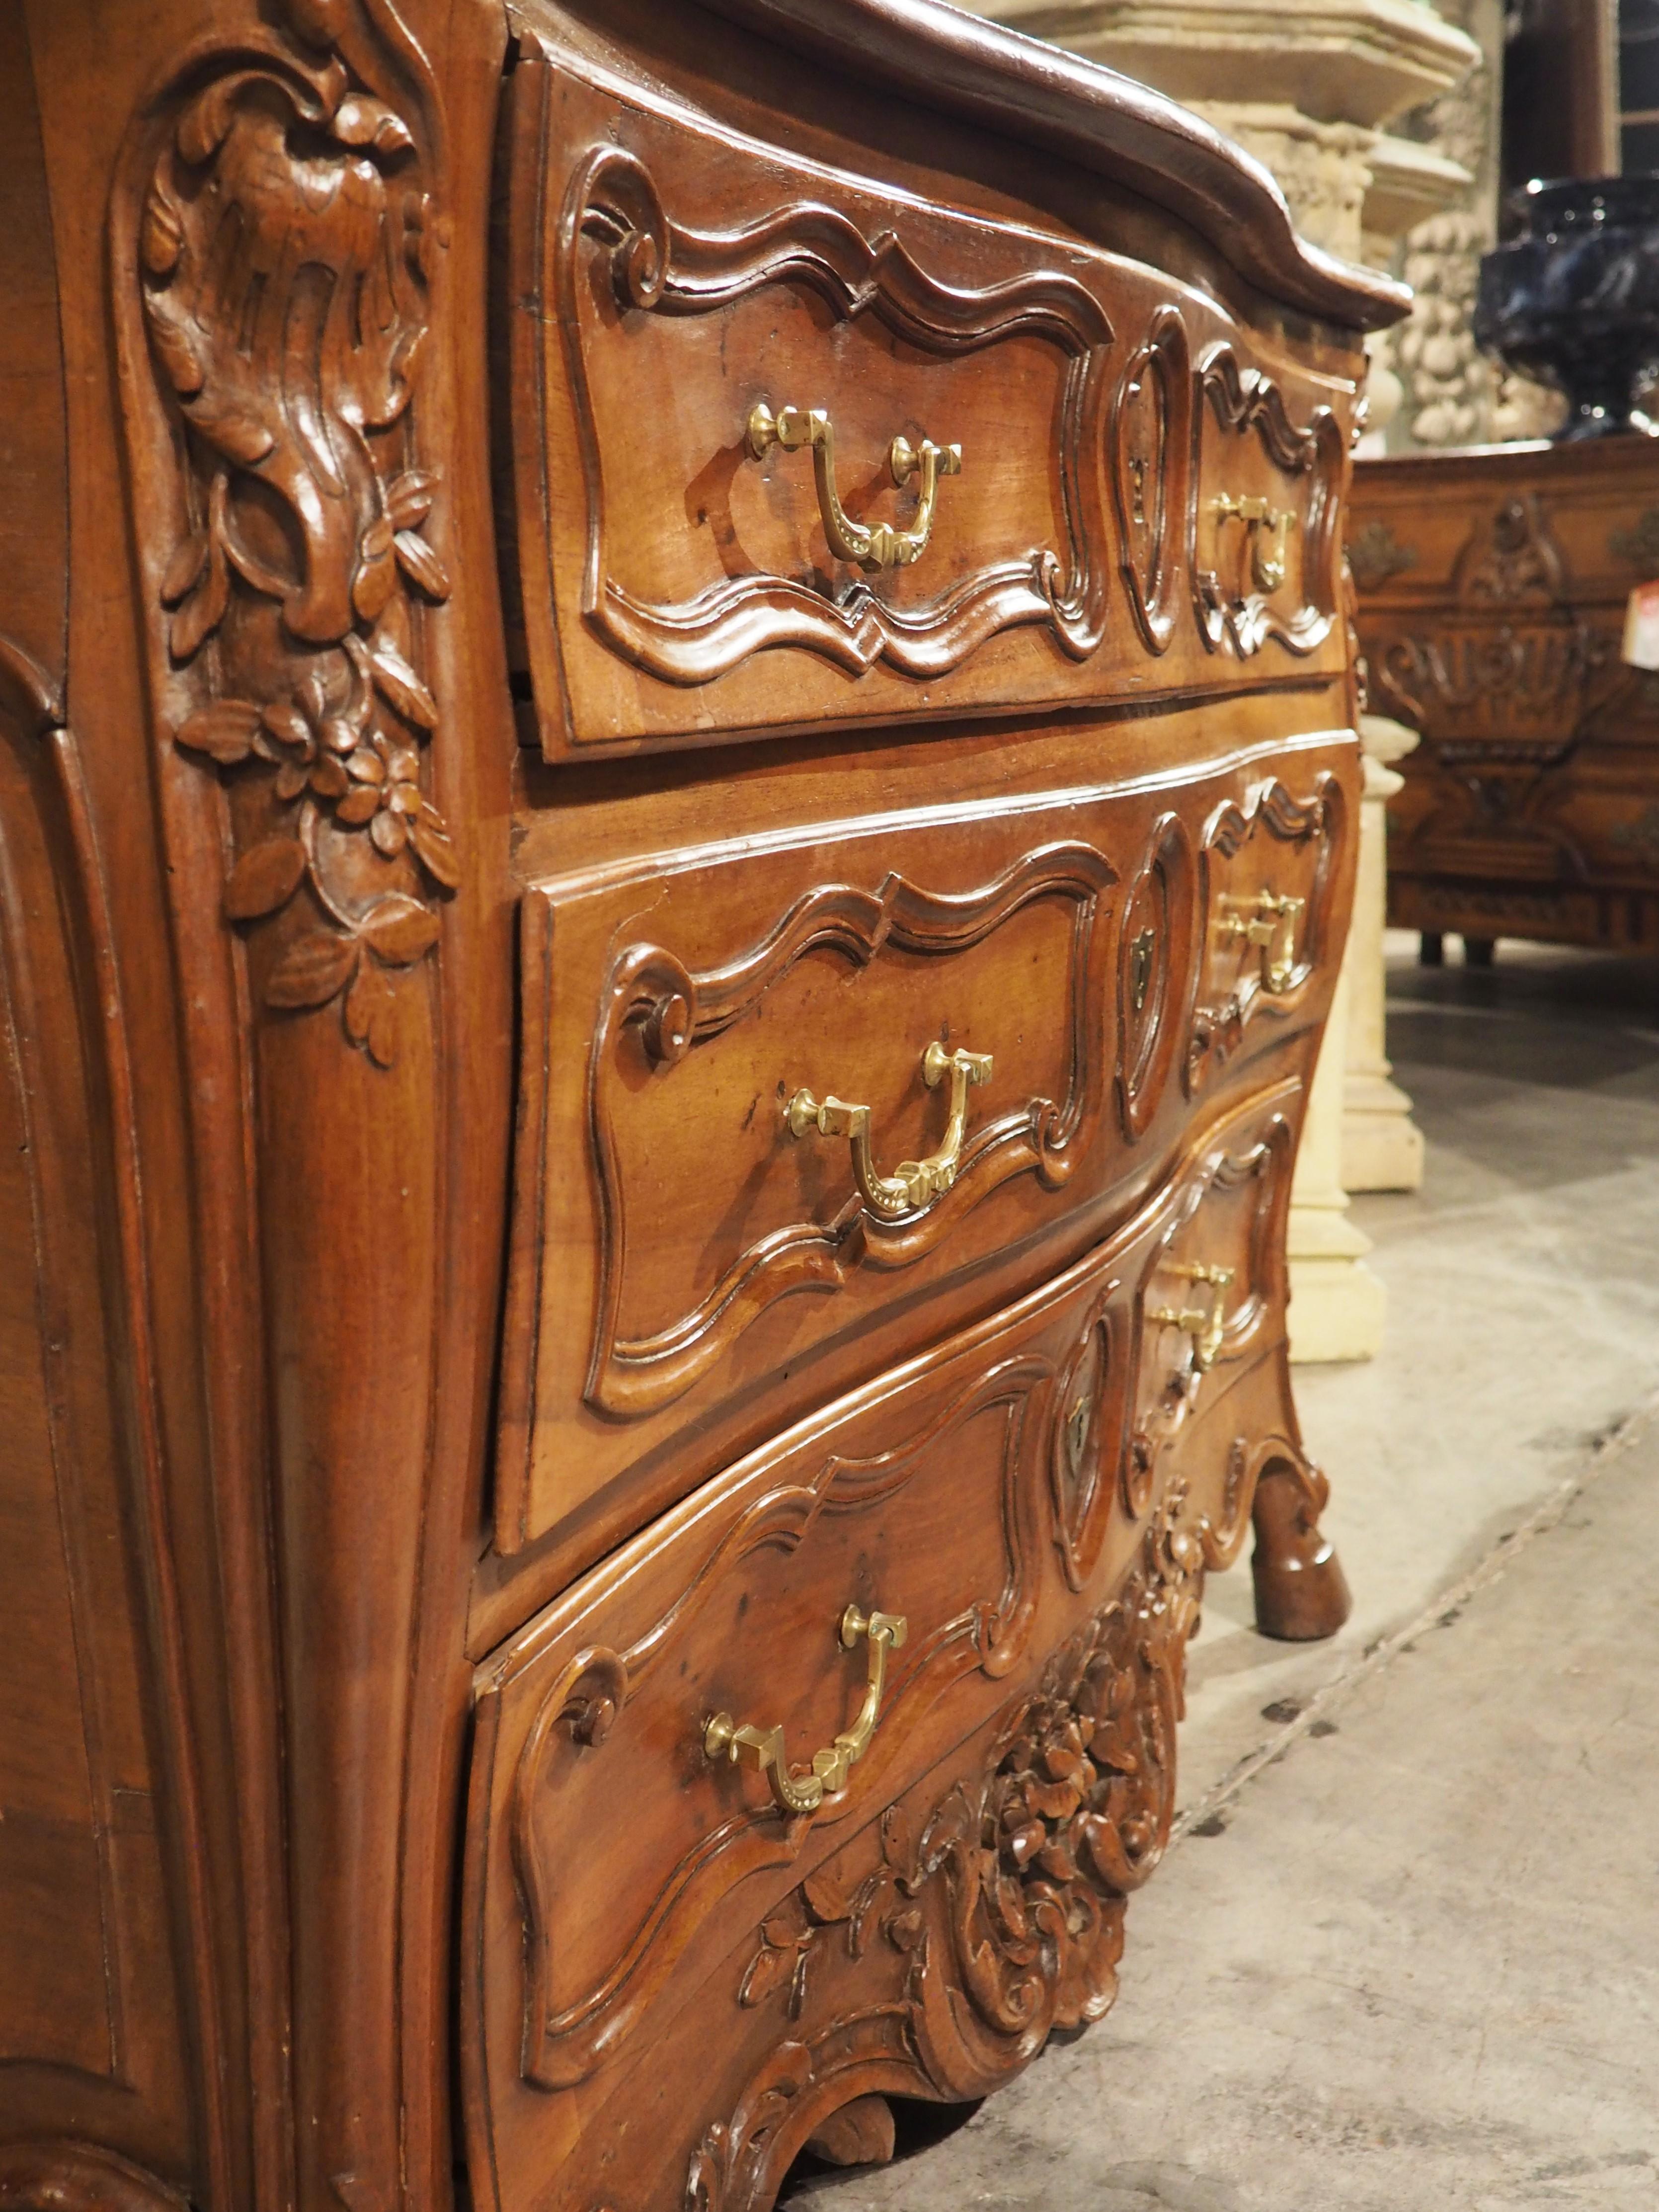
{"x":284,"y":268}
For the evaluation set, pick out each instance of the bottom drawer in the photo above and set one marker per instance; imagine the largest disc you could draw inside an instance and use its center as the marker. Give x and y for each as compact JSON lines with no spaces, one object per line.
{"x":1035,"y":1501}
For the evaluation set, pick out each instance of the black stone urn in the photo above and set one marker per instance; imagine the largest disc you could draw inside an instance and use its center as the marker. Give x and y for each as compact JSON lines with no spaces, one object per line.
{"x":1573,"y":301}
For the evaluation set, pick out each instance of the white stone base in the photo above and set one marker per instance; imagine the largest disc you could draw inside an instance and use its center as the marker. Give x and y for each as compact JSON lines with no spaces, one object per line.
{"x":1338,"y":1308}
{"x":1381,"y":1145}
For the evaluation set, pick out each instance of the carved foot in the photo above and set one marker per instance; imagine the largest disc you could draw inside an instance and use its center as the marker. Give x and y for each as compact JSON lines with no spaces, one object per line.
{"x":1301,"y":1591}
{"x":856,"y":2134}
{"x":1478,"y":951}
{"x":1431,"y":949}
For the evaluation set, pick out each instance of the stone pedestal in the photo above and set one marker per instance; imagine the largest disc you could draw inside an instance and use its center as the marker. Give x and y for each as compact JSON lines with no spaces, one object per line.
{"x":1338,"y":1306}
{"x":1381,"y":1146}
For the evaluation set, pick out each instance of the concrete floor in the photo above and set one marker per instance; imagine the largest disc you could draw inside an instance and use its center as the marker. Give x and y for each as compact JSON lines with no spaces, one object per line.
{"x":1404,"y":1952}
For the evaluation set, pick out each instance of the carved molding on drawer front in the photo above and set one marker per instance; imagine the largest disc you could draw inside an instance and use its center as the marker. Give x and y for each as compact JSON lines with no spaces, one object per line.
{"x":565,"y":2042}
{"x":1154,"y":454}
{"x":659,"y":266}
{"x":1001,"y":1909}
{"x":1235,"y":605}
{"x":284,"y":267}
{"x":1190,"y":1258}
{"x":1273,"y":975}
{"x":656,"y":1008}
{"x":1156,"y":972}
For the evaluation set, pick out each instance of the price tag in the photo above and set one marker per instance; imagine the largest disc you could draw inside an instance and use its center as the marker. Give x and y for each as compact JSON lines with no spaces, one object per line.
{"x":1641,"y":645}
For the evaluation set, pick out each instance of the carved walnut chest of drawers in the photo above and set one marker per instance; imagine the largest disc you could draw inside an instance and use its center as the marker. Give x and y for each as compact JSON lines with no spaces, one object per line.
{"x":1492,"y":587}
{"x":678,"y":809}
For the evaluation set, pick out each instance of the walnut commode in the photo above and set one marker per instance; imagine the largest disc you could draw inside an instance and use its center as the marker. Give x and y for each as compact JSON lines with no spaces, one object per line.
{"x":679,"y":814}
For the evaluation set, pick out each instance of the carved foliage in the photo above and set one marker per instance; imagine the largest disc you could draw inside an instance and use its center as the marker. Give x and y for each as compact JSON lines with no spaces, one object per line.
{"x":1219,"y":1022}
{"x":1243,"y":616}
{"x":284,"y":269}
{"x":659,"y":266}
{"x":654,"y":1007}
{"x":1005,"y":1906}
{"x":1374,"y":554}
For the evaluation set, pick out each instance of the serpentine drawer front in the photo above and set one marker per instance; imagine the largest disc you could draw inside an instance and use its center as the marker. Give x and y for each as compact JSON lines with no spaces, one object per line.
{"x":752,"y":1680}
{"x":771,"y":1092}
{"x":782,"y":437}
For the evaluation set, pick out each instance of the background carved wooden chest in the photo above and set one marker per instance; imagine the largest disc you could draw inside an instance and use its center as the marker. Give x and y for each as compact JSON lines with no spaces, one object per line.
{"x":1493,"y":590}
{"x":677,"y":808}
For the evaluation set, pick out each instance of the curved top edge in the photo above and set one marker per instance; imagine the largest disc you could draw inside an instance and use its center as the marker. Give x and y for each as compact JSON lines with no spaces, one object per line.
{"x":1022,"y":89}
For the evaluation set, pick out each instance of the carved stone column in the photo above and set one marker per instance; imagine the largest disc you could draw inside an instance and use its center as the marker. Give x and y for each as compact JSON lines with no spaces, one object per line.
{"x":1381,"y":1146}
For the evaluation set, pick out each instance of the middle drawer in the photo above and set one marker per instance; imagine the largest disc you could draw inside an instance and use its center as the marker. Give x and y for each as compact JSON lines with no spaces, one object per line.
{"x":777,"y":1090}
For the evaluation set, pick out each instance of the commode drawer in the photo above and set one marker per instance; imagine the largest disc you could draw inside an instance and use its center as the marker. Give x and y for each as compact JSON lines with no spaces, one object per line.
{"x":774,"y":1091}
{"x":787,"y":449}
{"x":664,"y":1757}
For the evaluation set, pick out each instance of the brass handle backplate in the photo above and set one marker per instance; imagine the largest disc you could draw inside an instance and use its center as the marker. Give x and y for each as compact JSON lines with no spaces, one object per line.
{"x":1267,"y":531}
{"x":913,"y":1183}
{"x":762,"y":1749}
{"x":1205,"y":1323}
{"x":1269,"y":920}
{"x":872,"y":546}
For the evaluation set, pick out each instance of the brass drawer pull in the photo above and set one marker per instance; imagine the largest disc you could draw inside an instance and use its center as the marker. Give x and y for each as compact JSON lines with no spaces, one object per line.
{"x":1270,"y":921}
{"x":764,"y":1748}
{"x":1268,"y":530}
{"x":877,"y":545}
{"x":913,"y":1183}
{"x":1205,"y":1323}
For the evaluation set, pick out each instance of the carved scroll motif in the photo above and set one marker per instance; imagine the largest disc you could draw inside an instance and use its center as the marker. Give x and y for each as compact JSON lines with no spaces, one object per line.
{"x":1219,"y":1025}
{"x":565,"y":2041}
{"x":1244,"y":400}
{"x":1003,"y":1909}
{"x":659,"y":266}
{"x":655,"y":1006}
{"x":284,"y":268}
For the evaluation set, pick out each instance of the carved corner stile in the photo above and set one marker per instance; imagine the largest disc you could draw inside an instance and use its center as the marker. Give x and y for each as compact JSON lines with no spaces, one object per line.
{"x":278,"y":275}
{"x":285,"y":250}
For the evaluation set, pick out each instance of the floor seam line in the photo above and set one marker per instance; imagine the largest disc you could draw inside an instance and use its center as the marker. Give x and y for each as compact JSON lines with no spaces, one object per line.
{"x":1379,"y":1656}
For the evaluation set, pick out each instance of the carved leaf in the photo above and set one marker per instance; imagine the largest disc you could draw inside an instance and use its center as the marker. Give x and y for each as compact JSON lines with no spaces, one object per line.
{"x":202,"y":613}
{"x":400,"y":683}
{"x":768,"y":1970}
{"x":266,"y":876}
{"x":312,"y":970}
{"x":371,"y":1013}
{"x":824,"y":1898}
{"x":423,"y":564}
{"x":431,"y":842}
{"x":225,"y":731}
{"x":234,"y":433}
{"x":185,"y":568}
{"x":400,"y":929}
{"x":361,"y":122}
{"x":361,"y":804}
{"x":320,"y":22}
{"x":409,"y":497}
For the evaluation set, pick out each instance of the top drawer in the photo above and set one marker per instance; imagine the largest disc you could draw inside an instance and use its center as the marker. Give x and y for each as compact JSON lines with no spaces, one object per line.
{"x":790,"y":449}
